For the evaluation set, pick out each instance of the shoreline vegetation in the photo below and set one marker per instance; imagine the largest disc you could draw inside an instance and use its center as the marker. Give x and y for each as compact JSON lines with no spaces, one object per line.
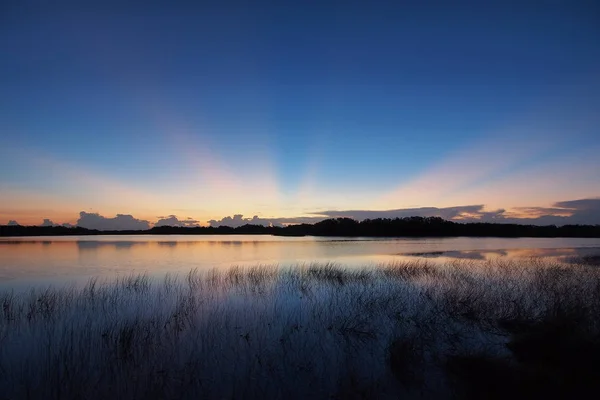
{"x":346,"y":227}
{"x":494,"y":329}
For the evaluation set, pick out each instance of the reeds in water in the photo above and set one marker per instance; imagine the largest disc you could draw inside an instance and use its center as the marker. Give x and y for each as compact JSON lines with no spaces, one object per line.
{"x":413,"y":329}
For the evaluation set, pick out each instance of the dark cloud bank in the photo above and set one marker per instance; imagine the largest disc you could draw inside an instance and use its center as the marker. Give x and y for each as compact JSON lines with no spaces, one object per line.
{"x":126,"y":222}
{"x":583,"y":212}
{"x":121,"y":222}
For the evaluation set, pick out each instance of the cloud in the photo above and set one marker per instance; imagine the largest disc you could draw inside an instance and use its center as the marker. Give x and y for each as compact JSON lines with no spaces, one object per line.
{"x":583,"y":211}
{"x":119,"y":223}
{"x":536,"y":212}
{"x":68,"y":225}
{"x":239,"y":220}
{"x":12,"y":222}
{"x":172,"y":220}
{"x":469,"y":212}
{"x":580,"y":205}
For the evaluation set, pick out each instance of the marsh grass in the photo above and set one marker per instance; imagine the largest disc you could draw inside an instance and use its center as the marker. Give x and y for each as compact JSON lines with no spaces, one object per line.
{"x":410,"y":329}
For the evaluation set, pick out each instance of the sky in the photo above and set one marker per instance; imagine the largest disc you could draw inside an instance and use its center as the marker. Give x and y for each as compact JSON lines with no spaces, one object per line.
{"x":129,"y":113}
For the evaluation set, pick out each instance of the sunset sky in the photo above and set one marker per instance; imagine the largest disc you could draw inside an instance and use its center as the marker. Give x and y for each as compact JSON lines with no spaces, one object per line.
{"x":289,"y":113}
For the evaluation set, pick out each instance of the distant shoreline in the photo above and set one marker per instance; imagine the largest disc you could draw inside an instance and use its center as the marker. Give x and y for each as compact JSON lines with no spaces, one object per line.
{"x":341,"y":227}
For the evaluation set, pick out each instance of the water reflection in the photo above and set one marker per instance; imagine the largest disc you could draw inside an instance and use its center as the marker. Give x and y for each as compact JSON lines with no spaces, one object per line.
{"x":560,"y":253}
{"x":28,"y":259}
{"x":168,"y":244}
{"x":84,"y":245}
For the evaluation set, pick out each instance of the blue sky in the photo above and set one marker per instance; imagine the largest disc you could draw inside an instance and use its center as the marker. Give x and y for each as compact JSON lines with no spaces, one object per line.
{"x":284,"y":109}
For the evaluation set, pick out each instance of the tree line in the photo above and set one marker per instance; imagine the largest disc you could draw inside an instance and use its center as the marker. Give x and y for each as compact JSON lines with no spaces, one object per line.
{"x":380,"y":227}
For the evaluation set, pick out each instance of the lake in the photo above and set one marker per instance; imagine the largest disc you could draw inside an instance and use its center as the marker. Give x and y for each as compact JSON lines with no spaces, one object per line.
{"x":449,"y":323}
{"x":27,"y":261}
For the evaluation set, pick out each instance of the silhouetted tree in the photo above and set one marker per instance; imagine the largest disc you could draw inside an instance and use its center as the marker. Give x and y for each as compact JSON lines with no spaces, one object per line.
{"x":380,"y":227}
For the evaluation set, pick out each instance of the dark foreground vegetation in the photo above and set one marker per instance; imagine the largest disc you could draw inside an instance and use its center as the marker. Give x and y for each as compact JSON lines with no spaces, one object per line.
{"x":381,"y":227}
{"x":405,"y":330}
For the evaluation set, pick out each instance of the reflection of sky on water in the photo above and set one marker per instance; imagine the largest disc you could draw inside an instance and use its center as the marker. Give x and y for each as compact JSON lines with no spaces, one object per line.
{"x":84,"y":245}
{"x":167,"y":244}
{"x":63,"y":259}
{"x":559,"y":253}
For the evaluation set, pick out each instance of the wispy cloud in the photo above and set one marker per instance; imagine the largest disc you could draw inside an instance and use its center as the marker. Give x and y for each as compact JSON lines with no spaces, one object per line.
{"x":583,"y":211}
{"x":458,"y":212}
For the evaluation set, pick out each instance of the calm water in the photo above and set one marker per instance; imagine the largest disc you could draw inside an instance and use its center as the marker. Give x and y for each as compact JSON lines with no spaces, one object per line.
{"x":43,"y":260}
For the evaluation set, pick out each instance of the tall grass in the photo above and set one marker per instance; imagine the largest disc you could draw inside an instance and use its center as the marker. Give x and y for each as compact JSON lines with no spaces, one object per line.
{"x":312,"y":331}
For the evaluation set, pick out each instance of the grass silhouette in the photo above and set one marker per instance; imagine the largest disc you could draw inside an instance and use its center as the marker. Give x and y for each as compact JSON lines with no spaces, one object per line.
{"x":411,"y":329}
